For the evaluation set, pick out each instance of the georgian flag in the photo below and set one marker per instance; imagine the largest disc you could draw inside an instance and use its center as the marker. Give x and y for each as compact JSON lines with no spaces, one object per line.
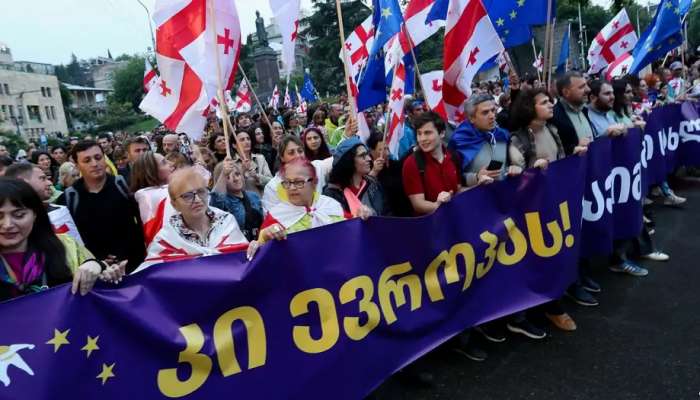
{"x":432,"y":86}
{"x":243,"y":102}
{"x":414,"y":32}
{"x":302,"y":107}
{"x":357,"y":47}
{"x":275,"y":99}
{"x":201,"y":53}
{"x":287,"y":98}
{"x":177,"y":98}
{"x":619,"y":67}
{"x":613,"y":41}
{"x":396,"y":110}
{"x":539,"y":62}
{"x":149,"y":76}
{"x":286,"y":13}
{"x":470,"y":41}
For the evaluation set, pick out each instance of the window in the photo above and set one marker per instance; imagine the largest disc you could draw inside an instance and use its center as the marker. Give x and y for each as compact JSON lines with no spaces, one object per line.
{"x":53,"y":112}
{"x":48,"y":112}
{"x":43,"y":92}
{"x":12,"y":111}
{"x":33,"y":113}
{"x":7,"y":89}
{"x":0,"y":88}
{"x":4,"y":111}
{"x":48,"y":92}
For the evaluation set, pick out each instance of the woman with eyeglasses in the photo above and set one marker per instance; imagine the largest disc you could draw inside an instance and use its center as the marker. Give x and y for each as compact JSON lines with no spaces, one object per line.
{"x":304,"y":208}
{"x":350,"y":183}
{"x":196,"y":229}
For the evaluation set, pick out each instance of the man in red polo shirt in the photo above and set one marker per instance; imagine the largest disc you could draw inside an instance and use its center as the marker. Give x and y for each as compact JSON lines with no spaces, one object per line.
{"x":430,"y":175}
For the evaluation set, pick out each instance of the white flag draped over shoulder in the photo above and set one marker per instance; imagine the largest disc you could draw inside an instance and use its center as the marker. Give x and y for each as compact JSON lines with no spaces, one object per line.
{"x":286,"y":13}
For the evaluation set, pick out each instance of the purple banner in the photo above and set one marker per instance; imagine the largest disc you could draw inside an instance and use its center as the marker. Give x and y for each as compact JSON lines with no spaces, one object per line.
{"x":329,"y":313}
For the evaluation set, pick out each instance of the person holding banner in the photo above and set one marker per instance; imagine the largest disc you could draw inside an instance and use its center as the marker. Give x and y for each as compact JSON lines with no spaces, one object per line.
{"x":350,"y":184}
{"x":600,"y":106}
{"x":534,"y":144}
{"x":304,"y":208}
{"x":570,"y":118}
{"x":481,"y":143}
{"x":33,"y":257}
{"x":196,"y":229}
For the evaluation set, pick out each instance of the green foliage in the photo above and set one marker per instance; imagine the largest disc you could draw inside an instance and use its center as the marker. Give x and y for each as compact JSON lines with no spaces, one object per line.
{"x":143,"y":126}
{"x":73,"y":73}
{"x":247,"y":62}
{"x":326,"y":67}
{"x":12,"y":141}
{"x":117,"y":116}
{"x":128,"y":83}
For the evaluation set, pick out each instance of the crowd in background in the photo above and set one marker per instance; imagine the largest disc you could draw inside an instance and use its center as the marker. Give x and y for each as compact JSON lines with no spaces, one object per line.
{"x":113,"y":203}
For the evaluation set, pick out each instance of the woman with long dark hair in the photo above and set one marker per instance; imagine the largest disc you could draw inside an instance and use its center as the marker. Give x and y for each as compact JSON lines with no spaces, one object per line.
{"x":254,"y":166}
{"x":315,"y":146}
{"x":350,"y":183}
{"x":262,"y":144}
{"x":46,"y":163}
{"x":33,"y":257}
{"x":217,"y":144}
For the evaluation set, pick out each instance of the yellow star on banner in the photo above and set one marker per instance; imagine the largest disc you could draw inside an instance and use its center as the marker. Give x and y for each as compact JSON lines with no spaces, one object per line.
{"x":106,"y":372}
{"x":386,"y":12}
{"x":521,"y":3}
{"x":513,"y":14}
{"x":91,"y":345}
{"x":59,"y":339}
{"x":500,"y":22}
{"x":668,"y":5}
{"x":677,"y":11}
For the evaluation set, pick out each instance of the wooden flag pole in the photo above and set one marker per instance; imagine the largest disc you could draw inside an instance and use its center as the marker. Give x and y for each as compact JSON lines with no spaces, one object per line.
{"x":220,"y":93}
{"x":255,"y":96}
{"x":551,"y":55}
{"x":353,"y":107}
{"x":413,"y":54}
{"x":547,"y":38}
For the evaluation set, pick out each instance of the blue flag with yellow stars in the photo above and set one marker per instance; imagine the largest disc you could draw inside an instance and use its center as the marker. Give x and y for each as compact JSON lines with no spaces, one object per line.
{"x":513,"y":18}
{"x":308,"y":91}
{"x":662,"y":36}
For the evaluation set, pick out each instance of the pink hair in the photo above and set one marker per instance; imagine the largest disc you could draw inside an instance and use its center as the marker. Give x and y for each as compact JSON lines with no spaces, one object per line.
{"x":302,"y":163}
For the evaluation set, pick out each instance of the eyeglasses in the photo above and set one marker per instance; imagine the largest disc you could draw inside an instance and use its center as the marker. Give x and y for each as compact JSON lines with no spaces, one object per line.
{"x":295,"y":184}
{"x":202,"y":193}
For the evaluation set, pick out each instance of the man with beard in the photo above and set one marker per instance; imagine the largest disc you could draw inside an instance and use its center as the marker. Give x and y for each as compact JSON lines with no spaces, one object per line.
{"x":601,"y":99}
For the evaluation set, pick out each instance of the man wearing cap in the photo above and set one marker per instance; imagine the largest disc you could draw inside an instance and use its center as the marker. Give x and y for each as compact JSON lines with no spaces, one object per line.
{"x":676,"y":85}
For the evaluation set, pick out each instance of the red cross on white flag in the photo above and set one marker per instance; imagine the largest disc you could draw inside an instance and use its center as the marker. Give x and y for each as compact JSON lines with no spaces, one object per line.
{"x":396,"y":110}
{"x":431,"y":82}
{"x":186,"y":52}
{"x":149,"y":77}
{"x":243,"y":101}
{"x":616,"y":39}
{"x":275,"y":99}
{"x":286,"y":13}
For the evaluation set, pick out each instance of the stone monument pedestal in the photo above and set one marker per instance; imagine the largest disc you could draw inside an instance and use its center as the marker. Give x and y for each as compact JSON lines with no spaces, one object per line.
{"x":267,"y":71}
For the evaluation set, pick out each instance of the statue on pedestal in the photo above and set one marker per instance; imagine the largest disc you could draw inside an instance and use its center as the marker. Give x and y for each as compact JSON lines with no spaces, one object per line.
{"x":260,"y":30}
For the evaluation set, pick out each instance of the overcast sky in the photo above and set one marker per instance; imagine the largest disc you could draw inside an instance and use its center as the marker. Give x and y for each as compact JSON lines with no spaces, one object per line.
{"x":50,"y":30}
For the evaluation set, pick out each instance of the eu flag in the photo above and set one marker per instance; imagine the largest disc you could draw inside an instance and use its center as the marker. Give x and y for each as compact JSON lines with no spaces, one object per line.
{"x":387,"y":20}
{"x":513,"y":18}
{"x":564,"y":52}
{"x":308,"y":91}
{"x":662,"y":36}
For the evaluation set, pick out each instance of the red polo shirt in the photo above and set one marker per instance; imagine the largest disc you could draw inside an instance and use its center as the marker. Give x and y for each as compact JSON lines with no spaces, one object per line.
{"x":438,"y":177}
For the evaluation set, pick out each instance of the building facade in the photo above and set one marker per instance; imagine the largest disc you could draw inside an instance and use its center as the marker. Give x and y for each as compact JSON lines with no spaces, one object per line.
{"x":90,"y":99}
{"x":30,"y":102}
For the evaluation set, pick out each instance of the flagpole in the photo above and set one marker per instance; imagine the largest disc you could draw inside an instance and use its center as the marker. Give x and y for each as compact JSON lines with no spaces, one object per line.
{"x":220,"y":92}
{"x":580,"y":38}
{"x":341,"y":29}
{"x":413,"y":54}
{"x":551,"y":55}
{"x":547,"y":38}
{"x":568,"y":50}
{"x":255,"y":96}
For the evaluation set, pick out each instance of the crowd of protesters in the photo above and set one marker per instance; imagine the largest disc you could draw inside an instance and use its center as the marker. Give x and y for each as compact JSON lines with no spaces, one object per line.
{"x":106,"y":206}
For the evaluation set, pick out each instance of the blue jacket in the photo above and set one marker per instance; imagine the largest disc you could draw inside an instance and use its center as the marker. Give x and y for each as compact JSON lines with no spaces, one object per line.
{"x":468,"y":141}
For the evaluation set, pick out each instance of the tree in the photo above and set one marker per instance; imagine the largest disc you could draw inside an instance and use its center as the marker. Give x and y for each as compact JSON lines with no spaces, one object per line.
{"x":117,"y":116}
{"x":327,"y":68}
{"x":128,"y":83}
{"x":67,"y":100}
{"x":12,"y":141}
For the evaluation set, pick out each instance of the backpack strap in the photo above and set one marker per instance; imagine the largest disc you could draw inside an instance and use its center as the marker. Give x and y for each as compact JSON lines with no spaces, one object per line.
{"x":420,"y":161}
{"x":72,"y":200}
{"x":123,"y":188}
